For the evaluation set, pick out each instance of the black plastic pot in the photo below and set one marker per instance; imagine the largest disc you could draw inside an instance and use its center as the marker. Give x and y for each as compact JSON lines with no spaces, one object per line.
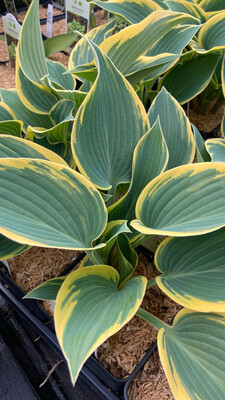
{"x":138,"y":369}
{"x":93,"y":371}
{"x":20,"y":5}
{"x":211,"y":135}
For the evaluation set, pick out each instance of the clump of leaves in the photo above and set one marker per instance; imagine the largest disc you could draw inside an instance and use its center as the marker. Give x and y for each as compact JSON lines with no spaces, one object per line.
{"x":120,"y":148}
{"x":12,"y":51}
{"x":74,"y":26}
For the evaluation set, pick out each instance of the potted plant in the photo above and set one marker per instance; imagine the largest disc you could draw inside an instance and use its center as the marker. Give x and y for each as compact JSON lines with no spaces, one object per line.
{"x":115,"y":142}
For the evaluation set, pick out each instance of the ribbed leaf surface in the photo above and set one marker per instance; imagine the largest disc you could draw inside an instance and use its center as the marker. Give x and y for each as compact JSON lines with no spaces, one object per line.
{"x":212,"y":5}
{"x":89,"y":309}
{"x":176,"y":130}
{"x":11,"y":98}
{"x":192,"y":353}
{"x":49,"y":205}
{"x":216,"y":148}
{"x":9,"y":248}
{"x":149,"y":160}
{"x":36,"y":98}
{"x":11,"y":128}
{"x":212,"y":34}
{"x":6,"y":114}
{"x":13,"y":147}
{"x":61,"y":116}
{"x":30,"y":49}
{"x":189,"y":79}
{"x":189,"y":7}
{"x":108,"y":126}
{"x":132,"y":11}
{"x":125,"y":47}
{"x":184,"y":201}
{"x":47,"y":290}
{"x":194,"y":271}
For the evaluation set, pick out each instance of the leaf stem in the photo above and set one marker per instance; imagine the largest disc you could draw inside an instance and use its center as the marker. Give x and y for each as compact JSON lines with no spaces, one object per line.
{"x":157,"y":323}
{"x":151,"y":282}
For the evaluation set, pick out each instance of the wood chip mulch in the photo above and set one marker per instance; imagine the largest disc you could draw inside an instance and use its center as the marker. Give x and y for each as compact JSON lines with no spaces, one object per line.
{"x":151,"y":383}
{"x":121,"y":352}
{"x":38,"y":264}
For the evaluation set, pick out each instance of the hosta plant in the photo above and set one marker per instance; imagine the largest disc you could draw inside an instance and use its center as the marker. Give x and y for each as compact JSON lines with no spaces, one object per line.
{"x":45,"y":100}
{"x":189,"y":56}
{"x":136,"y":179}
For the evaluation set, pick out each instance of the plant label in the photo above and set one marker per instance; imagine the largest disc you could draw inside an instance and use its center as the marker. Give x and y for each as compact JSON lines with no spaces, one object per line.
{"x":77,"y":16}
{"x":49,"y":21}
{"x":12,"y":30}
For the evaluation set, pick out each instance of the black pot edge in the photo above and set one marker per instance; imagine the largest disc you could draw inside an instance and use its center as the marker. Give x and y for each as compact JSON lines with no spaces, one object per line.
{"x":212,"y":134}
{"x":41,"y":322}
{"x":138,"y":369}
{"x":22,"y":6}
{"x":42,"y":329}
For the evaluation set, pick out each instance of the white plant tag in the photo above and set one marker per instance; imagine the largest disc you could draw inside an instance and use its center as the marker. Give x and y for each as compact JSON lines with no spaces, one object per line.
{"x":49,"y":21}
{"x":12,"y":30}
{"x":77,"y":16}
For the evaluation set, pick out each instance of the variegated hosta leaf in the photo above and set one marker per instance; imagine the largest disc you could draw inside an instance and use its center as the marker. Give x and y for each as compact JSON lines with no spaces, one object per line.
{"x":13,"y":147}
{"x":31,"y":65}
{"x":49,"y":205}
{"x":192,"y":353}
{"x":11,"y":128}
{"x":58,"y":77}
{"x":216,"y":148}
{"x":108,"y":237}
{"x":30,"y":49}
{"x":61,"y":115}
{"x":77,"y":96}
{"x":9,"y":248}
{"x":212,"y":34}
{"x":6,"y":114}
{"x":90,"y":308}
{"x":193,"y":271}
{"x":107,"y":127}
{"x":185,"y":6}
{"x":11,"y":98}
{"x":184,"y":201}
{"x":82,"y":52}
{"x":149,"y":160}
{"x":202,"y":154}
{"x":47,"y":290}
{"x":132,"y":10}
{"x":36,"y":98}
{"x":135,"y":40}
{"x":162,"y":55}
{"x":212,"y":5}
{"x":62,"y":149}
{"x":187,"y":80}
{"x":62,"y":84}
{"x":150,"y":67}
{"x":175,"y":39}
{"x":176,"y":130}
{"x":127,"y":258}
